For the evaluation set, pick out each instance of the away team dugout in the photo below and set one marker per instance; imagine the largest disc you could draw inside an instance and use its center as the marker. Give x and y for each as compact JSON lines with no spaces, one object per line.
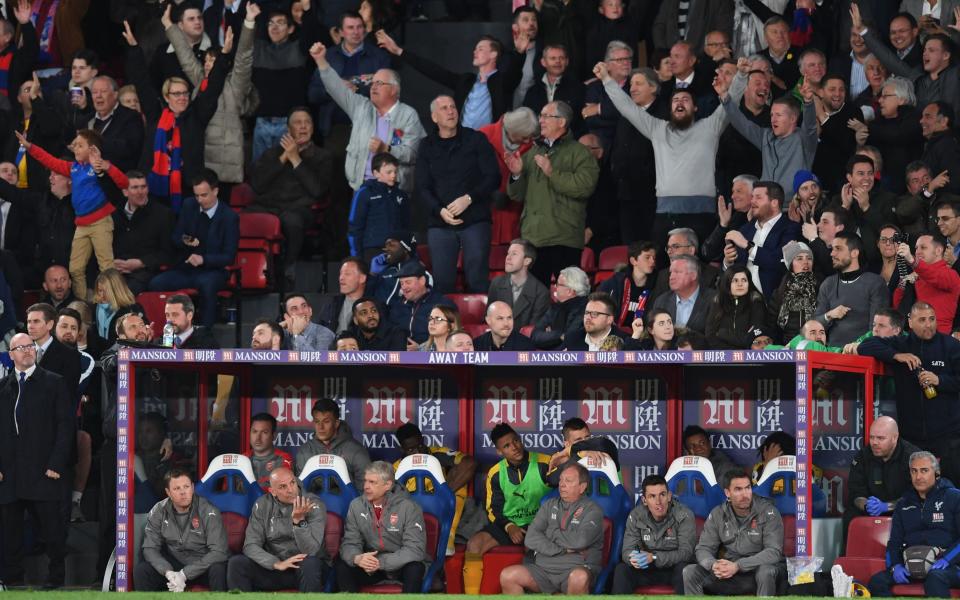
{"x":641,"y":400}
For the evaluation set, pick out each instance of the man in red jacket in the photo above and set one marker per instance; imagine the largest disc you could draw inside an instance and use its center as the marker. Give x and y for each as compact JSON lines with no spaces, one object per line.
{"x":934,"y":281}
{"x":515,"y":131}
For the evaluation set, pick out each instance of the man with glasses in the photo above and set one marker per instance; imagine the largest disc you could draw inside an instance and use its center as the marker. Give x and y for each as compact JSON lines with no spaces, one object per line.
{"x":598,"y":324}
{"x":599,"y":114}
{"x":380,"y":123}
{"x":948,"y":222}
{"x":553,"y":180}
{"x":37,"y":427}
{"x":683,"y":241}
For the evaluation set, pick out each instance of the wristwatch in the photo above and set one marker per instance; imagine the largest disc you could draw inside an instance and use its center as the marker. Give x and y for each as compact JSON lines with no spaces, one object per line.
{"x":302,"y":524}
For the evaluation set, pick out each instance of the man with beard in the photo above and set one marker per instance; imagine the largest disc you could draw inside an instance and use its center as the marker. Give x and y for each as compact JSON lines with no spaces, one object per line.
{"x":785,"y":147}
{"x":942,"y":150}
{"x":372,"y":333}
{"x":849,"y":298}
{"x":837,"y":139}
{"x":67,"y":331}
{"x":267,"y":335}
{"x":684,"y":153}
{"x":737,"y":155}
{"x":399,"y":249}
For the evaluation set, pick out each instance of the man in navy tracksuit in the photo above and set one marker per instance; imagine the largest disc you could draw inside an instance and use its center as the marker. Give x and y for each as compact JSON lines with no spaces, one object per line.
{"x":925,"y":357}
{"x":927,"y":515}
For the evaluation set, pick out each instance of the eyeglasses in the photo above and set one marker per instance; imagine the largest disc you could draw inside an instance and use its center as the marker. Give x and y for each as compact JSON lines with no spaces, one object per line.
{"x":675,"y":247}
{"x":182,"y":94}
{"x":276,"y":23}
{"x":594,"y":314}
{"x":623,"y":59}
{"x":887,"y":240}
{"x":25,"y":348}
{"x":438,"y":320}
{"x":888,"y":96}
{"x":945,"y":219}
{"x":378,"y":83}
{"x":546,"y":116}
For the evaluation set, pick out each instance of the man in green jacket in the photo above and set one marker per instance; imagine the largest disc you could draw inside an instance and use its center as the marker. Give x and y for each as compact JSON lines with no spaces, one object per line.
{"x":553,"y":180}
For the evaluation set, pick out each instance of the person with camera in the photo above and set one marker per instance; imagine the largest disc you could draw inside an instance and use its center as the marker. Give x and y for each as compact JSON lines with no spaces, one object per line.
{"x":924,"y":541}
{"x":932,"y":279}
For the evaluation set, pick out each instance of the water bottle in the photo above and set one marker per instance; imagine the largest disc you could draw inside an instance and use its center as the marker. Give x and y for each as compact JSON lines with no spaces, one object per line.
{"x":168,"y":335}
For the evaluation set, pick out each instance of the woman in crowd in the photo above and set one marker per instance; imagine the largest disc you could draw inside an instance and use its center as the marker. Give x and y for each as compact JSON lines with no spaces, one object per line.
{"x":795,"y":301}
{"x":737,"y":310}
{"x":659,"y":333}
{"x":113,"y":299}
{"x":442,"y":321}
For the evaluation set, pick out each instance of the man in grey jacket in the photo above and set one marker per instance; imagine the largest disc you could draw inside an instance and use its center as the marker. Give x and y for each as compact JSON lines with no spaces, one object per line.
{"x":283,"y":546}
{"x":383,"y":536}
{"x":786,"y":146}
{"x":566,"y":538}
{"x":184,"y":541}
{"x":748,"y":530}
{"x":658,"y":542}
{"x":381,"y":123}
{"x":333,"y":437}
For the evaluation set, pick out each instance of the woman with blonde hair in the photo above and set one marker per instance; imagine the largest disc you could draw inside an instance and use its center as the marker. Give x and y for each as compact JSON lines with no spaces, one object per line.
{"x":113,"y":298}
{"x":443,"y":320}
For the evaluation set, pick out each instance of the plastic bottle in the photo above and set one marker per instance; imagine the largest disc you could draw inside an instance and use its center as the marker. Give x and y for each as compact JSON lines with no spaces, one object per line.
{"x":168,"y":335}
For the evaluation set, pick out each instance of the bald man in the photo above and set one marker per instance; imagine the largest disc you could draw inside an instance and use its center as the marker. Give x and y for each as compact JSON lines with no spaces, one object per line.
{"x":502,"y":334}
{"x":880,"y":474}
{"x":812,"y":336}
{"x":284,"y":544}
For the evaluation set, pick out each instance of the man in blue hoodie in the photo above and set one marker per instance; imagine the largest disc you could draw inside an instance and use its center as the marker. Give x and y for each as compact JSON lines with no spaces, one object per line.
{"x":928,"y":514}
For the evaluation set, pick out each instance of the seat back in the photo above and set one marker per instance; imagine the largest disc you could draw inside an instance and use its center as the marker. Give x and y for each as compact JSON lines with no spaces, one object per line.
{"x":611,"y":257}
{"x":693,"y":483}
{"x":236,"y":527}
{"x":588,"y":260}
{"x":437,"y":502}
{"x":230,"y":485}
{"x":867,"y":537}
{"x":472,"y":307}
{"x":498,"y":254}
{"x":779,"y":483}
{"x":475,"y":329}
{"x":242,"y":195}
{"x":327,"y":476}
{"x":333,"y":534}
{"x":258,"y":225}
{"x":256,"y":269}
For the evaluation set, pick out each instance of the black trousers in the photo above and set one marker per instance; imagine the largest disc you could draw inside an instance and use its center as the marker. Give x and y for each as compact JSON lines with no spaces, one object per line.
{"x":247,"y":576}
{"x":107,"y":513}
{"x":351,"y":578}
{"x":48,"y":517}
{"x":553,"y":259}
{"x":626,"y":578}
{"x":148,"y":579}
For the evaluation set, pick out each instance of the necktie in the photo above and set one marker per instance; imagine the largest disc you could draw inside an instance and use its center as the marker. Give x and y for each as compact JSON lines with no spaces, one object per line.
{"x":23,"y":382}
{"x":40,"y":352}
{"x":681,"y":85}
{"x":177,"y":341}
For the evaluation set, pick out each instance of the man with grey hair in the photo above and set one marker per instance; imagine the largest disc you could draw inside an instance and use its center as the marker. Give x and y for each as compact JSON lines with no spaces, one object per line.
{"x":565,"y":316}
{"x":555,"y":84}
{"x":120,"y":127}
{"x":687,"y":301}
{"x":383,"y":535}
{"x":683,"y":241}
{"x":456,"y":175}
{"x":599,"y":113}
{"x":553,"y":180}
{"x":733,"y":215}
{"x":685,"y":154}
{"x":380,"y":123}
{"x":928,"y":514}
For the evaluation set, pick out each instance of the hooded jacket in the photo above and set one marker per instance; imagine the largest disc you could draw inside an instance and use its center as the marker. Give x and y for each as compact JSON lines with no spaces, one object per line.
{"x":272,"y":537}
{"x":398,"y":536}
{"x":344,"y":446}
{"x":203,"y":542}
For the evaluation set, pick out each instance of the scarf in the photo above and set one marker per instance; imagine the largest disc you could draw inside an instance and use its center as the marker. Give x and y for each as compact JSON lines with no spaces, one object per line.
{"x":799,"y":295}
{"x":5,"y":61}
{"x":46,"y":11}
{"x":165,"y":178}
{"x":802,"y":30}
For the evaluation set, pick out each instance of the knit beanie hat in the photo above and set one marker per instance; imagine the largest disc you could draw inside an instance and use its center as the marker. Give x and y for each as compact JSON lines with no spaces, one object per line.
{"x":792,"y":249}
{"x":801,"y":178}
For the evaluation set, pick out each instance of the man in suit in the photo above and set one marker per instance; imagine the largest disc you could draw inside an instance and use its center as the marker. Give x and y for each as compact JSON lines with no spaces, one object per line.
{"x":671,"y":25}
{"x":120,"y":127}
{"x":36,"y":441}
{"x":52,"y":355}
{"x":687,"y":76}
{"x":179,"y":310}
{"x":687,"y":301}
{"x":55,"y":227}
{"x":206,"y":239}
{"x":759,"y":243}
{"x":141,"y":234}
{"x":526,"y":296}
{"x":904,"y":35}
{"x":17,"y":221}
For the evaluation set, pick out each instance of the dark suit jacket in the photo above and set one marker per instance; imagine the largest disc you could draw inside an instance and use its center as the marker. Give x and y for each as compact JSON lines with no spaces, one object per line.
{"x":704,"y":16}
{"x":219,"y":246}
{"x":577,"y":342}
{"x":530,"y":306}
{"x":145,"y":236}
{"x":570,"y":90}
{"x":122,"y":136}
{"x":769,"y":257}
{"x":45,"y":441}
{"x":65,"y":362}
{"x":709,"y":275}
{"x":516,"y":341}
{"x":698,"y":316}
{"x":20,"y":224}
{"x":501,"y":84}
{"x":201,"y":339}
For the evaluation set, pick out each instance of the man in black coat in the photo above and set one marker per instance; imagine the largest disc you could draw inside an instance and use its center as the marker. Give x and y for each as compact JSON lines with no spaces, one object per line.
{"x":120,"y":127}
{"x":837,"y":140}
{"x":942,"y":152}
{"x":18,"y":220}
{"x":141,"y":234}
{"x":36,"y":444}
{"x":502,"y":335}
{"x":179,"y":310}
{"x":556,"y":84}
{"x":372,"y":331}
{"x":55,"y":227}
{"x":51,"y":354}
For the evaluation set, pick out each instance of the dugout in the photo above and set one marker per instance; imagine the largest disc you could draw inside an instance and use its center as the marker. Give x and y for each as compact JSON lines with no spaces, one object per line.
{"x":642,"y":400}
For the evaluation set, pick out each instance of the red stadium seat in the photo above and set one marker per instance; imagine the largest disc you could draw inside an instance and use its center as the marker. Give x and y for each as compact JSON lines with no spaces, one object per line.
{"x":498,"y":254}
{"x":475,"y":329}
{"x":236,"y":526}
{"x":601,"y":276}
{"x":423,"y":253}
{"x":612,"y":257}
{"x":496,"y":561}
{"x":29,"y":298}
{"x":588,"y":261}
{"x":153,"y":304}
{"x":472,"y":307}
{"x":260,"y":230}
{"x":527,"y":330}
{"x":789,"y":535}
{"x":256,"y":271}
{"x":333,"y":534}
{"x":242,"y":195}
{"x":866,"y":547}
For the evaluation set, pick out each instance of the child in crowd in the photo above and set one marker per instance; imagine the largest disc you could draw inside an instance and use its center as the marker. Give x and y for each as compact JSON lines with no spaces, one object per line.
{"x":94,"y":233}
{"x":379,"y":207}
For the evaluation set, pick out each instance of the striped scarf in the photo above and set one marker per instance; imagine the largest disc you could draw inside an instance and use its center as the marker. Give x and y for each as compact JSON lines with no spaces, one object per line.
{"x":802,"y":31}
{"x":165,"y":179}
{"x":5,"y":61}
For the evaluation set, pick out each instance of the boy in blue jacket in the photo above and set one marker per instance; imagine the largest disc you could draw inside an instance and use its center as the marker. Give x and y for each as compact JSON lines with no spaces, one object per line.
{"x":379,"y":207}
